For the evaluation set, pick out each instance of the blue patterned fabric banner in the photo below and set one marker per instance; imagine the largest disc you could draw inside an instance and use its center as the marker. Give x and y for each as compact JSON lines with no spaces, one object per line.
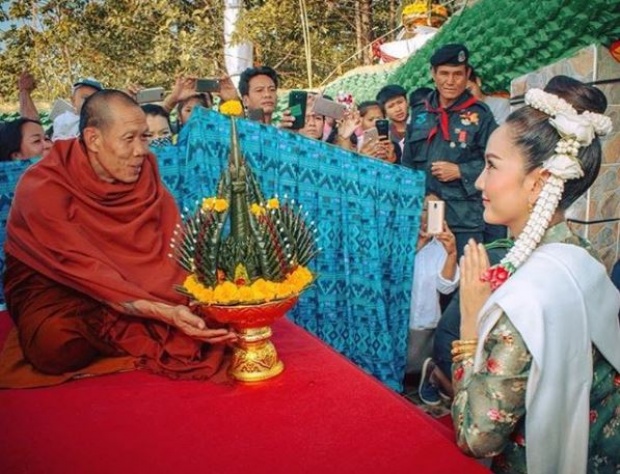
{"x":367,"y":214}
{"x":10,"y":172}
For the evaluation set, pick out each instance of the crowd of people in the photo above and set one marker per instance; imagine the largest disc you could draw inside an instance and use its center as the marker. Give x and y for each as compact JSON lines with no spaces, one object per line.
{"x":527,"y":350}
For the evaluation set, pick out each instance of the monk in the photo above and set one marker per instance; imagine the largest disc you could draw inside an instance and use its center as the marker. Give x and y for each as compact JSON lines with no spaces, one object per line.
{"x":87,"y":266}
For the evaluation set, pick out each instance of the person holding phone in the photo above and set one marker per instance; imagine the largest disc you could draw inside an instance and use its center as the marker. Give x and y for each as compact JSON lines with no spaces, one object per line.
{"x":300,"y":118}
{"x":369,"y":142}
{"x":435,"y":271}
{"x":258,"y":87}
{"x":395,"y":106}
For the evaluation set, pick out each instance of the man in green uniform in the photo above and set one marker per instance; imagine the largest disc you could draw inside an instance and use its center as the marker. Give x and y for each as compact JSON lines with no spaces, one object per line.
{"x":446,"y":137}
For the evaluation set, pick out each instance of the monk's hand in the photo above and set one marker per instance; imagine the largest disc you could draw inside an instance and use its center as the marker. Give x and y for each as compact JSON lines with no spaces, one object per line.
{"x":178,"y":316}
{"x":194,"y":326}
{"x":473,"y":291}
{"x":445,"y":171}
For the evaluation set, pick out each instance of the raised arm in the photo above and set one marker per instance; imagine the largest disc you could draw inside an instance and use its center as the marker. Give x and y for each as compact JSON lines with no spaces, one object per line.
{"x":26,"y":84}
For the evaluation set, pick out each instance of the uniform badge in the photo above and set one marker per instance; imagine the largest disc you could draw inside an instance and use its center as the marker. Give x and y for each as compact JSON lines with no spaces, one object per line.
{"x":461,"y":56}
{"x":421,"y":118}
{"x":452,"y":145}
{"x":469,"y":118}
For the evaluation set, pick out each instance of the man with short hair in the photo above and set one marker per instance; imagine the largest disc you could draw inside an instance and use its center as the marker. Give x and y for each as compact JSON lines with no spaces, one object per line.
{"x":393,"y":101}
{"x":87,"y":266}
{"x":66,"y":124}
{"x":258,"y":88}
{"x":446,"y":137}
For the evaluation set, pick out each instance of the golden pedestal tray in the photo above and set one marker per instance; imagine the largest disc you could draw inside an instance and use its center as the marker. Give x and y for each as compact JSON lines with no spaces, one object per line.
{"x":254,"y":356}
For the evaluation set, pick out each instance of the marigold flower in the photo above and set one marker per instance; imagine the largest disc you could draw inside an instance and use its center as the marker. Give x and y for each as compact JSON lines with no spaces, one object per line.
{"x":249,"y":295}
{"x":284,"y":289}
{"x":231,"y":107}
{"x":273,"y":203}
{"x":257,"y":210}
{"x":220,"y":205}
{"x":208,"y":203}
{"x":226,"y":292}
{"x":264,"y":288}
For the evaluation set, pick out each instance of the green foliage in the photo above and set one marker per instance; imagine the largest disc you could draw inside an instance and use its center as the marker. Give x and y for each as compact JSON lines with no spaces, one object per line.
{"x":508,"y":39}
{"x":116,"y":41}
{"x":123,"y":42}
{"x":274,"y":27}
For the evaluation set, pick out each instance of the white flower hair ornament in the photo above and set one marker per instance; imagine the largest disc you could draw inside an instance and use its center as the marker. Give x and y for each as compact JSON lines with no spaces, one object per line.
{"x":576,"y":131}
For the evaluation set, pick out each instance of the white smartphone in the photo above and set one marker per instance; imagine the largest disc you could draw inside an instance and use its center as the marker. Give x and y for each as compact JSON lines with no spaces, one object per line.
{"x":370,"y":135}
{"x":435,"y":216}
{"x":328,"y":108}
{"x":60,"y":107}
{"x":154,"y":94}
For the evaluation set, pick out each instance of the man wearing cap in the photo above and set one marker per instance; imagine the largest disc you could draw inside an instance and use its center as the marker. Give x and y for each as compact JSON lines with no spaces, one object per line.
{"x":393,"y":101}
{"x":66,"y":124}
{"x":446,"y":137}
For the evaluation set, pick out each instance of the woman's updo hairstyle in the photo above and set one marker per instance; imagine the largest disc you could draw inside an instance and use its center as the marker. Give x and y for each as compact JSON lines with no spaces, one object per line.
{"x":537,"y":138}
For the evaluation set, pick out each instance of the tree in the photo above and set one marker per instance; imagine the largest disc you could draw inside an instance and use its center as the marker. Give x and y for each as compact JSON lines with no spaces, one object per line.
{"x":337,"y":33}
{"x":117,"y":41}
{"x":127,"y":41}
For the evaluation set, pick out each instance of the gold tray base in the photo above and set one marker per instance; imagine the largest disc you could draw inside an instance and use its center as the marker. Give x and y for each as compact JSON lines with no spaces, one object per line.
{"x":255,"y":358}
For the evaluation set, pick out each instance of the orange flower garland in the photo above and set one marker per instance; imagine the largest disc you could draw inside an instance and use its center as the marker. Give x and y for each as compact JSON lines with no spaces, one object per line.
{"x":259,"y":291}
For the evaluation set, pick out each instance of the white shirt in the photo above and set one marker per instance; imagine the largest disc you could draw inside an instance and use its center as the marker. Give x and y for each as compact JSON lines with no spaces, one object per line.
{"x":66,"y":126}
{"x":427,"y":281}
{"x":500,"y":108}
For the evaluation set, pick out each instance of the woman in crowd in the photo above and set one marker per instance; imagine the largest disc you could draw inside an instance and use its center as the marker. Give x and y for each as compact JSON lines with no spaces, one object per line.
{"x":22,"y":139}
{"x":381,"y":148}
{"x":186,"y":106}
{"x":535,"y":370}
{"x":158,"y":121}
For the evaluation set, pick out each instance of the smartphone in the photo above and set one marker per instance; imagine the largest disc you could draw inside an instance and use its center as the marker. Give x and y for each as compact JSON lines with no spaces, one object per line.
{"x":155,"y":94}
{"x":435,"y":217}
{"x":60,"y":107}
{"x":297,"y":106}
{"x":257,"y":115}
{"x":370,"y":135}
{"x":383,"y":127}
{"x":207,"y":85}
{"x":328,"y":108}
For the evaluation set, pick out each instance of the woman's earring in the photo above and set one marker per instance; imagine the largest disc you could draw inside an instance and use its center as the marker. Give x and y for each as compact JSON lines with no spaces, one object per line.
{"x":530,"y":207}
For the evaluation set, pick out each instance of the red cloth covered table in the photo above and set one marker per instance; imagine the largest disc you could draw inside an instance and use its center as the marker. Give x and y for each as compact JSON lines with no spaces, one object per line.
{"x":321,"y":415}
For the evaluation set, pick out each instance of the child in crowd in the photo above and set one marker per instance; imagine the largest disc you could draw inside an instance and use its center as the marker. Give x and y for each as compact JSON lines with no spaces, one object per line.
{"x":381,"y":147}
{"x":435,"y":270}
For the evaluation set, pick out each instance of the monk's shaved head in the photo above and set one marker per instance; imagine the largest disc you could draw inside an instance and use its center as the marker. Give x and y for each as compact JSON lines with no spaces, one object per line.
{"x":98,"y":110}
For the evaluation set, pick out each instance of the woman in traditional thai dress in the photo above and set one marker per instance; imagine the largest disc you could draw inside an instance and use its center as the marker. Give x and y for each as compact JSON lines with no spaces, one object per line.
{"x":536,"y":369}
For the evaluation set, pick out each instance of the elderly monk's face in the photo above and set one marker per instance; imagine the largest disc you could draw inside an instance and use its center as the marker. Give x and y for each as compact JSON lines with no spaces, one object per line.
{"x":122,"y":146}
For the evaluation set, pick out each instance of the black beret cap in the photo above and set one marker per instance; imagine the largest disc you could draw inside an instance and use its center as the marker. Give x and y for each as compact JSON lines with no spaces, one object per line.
{"x":389,"y":92}
{"x":453,"y":54}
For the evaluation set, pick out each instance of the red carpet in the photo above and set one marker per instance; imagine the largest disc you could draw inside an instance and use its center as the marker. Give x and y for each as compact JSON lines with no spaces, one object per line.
{"x":321,"y":415}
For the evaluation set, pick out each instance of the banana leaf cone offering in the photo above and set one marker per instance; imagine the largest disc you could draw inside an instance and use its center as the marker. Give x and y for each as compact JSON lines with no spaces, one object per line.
{"x":252,"y":274}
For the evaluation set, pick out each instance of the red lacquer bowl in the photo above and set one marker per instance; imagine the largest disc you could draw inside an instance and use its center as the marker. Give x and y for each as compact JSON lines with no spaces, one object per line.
{"x":248,"y":316}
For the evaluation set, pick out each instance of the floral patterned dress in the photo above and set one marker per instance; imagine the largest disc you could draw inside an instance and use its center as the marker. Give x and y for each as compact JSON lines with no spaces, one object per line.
{"x":489,"y":406}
